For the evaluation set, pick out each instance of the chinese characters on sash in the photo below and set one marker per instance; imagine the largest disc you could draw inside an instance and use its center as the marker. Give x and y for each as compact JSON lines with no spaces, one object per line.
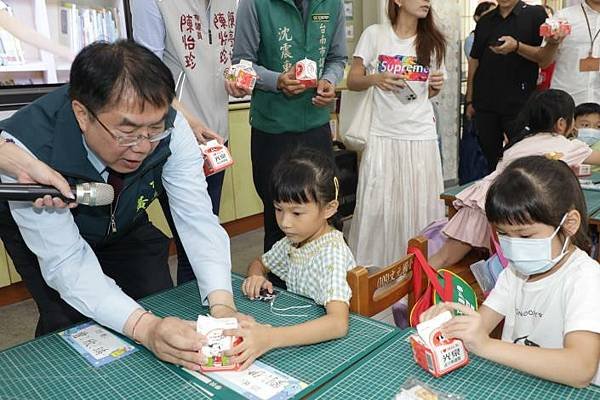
{"x":191,"y":30}
{"x":225,"y":26}
{"x":285,"y":47}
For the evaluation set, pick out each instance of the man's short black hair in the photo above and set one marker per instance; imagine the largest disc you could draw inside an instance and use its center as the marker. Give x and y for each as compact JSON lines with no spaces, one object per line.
{"x":586,"y":109}
{"x":103,"y":73}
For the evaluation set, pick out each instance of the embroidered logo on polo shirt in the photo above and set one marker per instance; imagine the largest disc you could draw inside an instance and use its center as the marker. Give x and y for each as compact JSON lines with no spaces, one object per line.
{"x":142,"y":203}
{"x":320,"y":17}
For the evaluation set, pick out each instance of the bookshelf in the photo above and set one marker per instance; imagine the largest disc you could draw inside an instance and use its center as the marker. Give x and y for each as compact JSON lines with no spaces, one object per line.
{"x":71,"y":23}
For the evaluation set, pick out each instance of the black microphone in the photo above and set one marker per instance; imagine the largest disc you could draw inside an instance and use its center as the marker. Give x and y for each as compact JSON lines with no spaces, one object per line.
{"x":89,"y":193}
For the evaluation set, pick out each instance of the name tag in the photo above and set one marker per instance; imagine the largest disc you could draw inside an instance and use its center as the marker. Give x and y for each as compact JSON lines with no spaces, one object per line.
{"x":589,"y":64}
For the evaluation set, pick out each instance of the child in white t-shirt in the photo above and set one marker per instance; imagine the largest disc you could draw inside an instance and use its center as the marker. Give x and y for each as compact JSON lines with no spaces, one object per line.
{"x":549,"y":297}
{"x":400,"y":175}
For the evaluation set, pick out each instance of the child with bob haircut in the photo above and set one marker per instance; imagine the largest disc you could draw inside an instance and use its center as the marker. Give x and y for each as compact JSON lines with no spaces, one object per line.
{"x":312,"y":258}
{"x":549,"y":296}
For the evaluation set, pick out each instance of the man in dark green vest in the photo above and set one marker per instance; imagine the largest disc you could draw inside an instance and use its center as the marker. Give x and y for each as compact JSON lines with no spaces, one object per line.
{"x":274,"y":35}
{"x":113,"y":123}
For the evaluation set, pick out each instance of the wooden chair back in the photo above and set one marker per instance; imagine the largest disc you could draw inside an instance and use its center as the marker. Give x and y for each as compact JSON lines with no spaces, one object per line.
{"x":373,"y":293}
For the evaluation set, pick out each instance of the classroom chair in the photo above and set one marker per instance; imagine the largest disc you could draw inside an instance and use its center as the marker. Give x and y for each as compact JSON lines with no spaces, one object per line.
{"x":373,"y":293}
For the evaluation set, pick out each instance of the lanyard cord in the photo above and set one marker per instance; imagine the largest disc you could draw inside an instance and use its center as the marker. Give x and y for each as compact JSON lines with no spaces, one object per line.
{"x":592,"y":39}
{"x":275,"y":310}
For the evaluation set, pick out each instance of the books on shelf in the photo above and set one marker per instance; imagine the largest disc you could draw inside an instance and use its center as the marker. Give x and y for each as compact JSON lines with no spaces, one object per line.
{"x":11,"y":52}
{"x":80,"y":26}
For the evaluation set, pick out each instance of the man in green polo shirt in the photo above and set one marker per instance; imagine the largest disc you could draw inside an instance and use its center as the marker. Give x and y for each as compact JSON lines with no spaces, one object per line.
{"x":274,"y":35}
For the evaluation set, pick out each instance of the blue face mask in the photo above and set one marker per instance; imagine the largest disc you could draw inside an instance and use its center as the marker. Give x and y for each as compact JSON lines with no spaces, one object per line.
{"x":532,"y":256}
{"x":590,"y":136}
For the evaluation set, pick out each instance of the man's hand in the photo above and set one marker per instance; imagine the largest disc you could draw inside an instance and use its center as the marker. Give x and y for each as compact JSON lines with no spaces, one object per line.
{"x":510,"y":45}
{"x":227,"y":311}
{"x":470,"y":111}
{"x":325,"y":93}
{"x":38,"y":172}
{"x":557,"y":37}
{"x":234,"y":90}
{"x":288,"y":83}
{"x":256,"y":341}
{"x":204,"y":134}
{"x":172,"y":340}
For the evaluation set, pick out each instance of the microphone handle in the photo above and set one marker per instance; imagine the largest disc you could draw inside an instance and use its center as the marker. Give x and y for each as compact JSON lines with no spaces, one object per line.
{"x":29,"y":192}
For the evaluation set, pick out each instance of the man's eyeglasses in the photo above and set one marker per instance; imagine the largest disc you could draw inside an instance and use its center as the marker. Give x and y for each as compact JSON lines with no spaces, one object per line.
{"x":133,"y":140}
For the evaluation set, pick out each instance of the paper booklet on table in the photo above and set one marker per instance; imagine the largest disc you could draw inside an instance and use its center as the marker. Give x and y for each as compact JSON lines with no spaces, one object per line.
{"x":258,"y":382}
{"x":96,"y":344}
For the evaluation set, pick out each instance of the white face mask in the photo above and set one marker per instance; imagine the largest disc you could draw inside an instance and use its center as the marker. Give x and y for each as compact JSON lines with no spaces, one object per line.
{"x":590,"y":136}
{"x":532,"y":256}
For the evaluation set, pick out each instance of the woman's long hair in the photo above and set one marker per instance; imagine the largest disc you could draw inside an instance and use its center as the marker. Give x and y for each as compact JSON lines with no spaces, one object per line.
{"x":430,"y":42}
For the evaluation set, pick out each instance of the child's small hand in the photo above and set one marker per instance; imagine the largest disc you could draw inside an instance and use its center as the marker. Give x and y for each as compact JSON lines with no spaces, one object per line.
{"x":253,"y":284}
{"x":256,"y":341}
{"x":467,"y":327}
{"x":434,"y":311}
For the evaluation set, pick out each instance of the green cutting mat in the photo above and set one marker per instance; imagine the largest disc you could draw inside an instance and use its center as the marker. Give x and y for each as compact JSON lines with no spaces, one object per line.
{"x":47,"y":368}
{"x":381,"y":375}
{"x":592,"y":201}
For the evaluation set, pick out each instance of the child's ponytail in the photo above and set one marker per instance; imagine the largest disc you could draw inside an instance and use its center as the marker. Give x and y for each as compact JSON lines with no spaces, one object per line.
{"x":540,"y":114}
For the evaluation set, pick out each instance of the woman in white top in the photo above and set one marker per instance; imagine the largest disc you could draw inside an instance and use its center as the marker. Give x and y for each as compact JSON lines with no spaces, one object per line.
{"x":400,"y":175}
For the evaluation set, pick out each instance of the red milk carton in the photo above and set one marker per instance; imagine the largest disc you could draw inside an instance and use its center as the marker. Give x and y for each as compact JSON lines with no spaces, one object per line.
{"x":582,"y":170}
{"x":306,"y":72}
{"x":242,"y":74}
{"x":216,"y":157}
{"x":435,"y":353}
{"x":553,"y":26}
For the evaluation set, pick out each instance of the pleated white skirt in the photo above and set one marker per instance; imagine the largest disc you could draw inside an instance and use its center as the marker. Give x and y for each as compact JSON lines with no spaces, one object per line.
{"x":399,"y":185}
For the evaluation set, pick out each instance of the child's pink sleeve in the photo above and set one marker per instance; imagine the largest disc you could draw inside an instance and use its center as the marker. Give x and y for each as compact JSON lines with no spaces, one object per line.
{"x":578,"y":152}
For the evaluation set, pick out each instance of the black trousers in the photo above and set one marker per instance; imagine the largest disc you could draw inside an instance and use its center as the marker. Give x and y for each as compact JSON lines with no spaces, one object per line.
{"x":138,"y":263}
{"x":266,"y":149}
{"x":491,"y":127}
{"x":185,"y":273}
